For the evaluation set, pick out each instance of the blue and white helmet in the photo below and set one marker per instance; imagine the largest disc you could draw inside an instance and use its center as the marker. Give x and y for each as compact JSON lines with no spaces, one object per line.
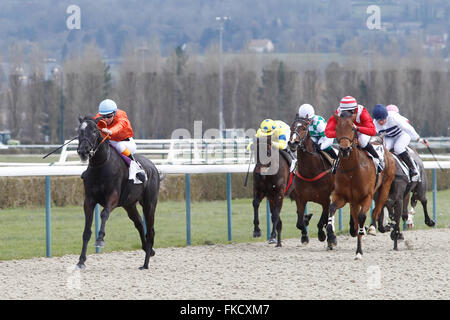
{"x":107,"y":106}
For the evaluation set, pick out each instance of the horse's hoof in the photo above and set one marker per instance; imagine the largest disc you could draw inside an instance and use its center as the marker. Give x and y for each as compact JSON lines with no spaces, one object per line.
{"x":430,"y":223}
{"x":322,"y":236}
{"x":278,"y":245}
{"x":272,"y":241}
{"x":305,"y":240}
{"x":372,"y":231}
{"x":81,"y":266}
{"x":99,"y":244}
{"x":332,"y":242}
{"x":358,"y":256}
{"x":143,"y":268}
{"x":256,"y":234}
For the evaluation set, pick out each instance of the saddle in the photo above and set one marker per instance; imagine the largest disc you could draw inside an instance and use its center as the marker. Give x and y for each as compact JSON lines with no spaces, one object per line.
{"x":404,"y":166}
{"x":136,"y":172}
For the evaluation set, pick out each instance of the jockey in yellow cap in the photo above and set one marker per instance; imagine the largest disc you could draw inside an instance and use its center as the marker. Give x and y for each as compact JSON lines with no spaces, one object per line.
{"x":280,"y":132}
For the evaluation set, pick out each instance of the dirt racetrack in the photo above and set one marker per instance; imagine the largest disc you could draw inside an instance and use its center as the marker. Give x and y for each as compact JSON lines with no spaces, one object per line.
{"x":419,"y":270}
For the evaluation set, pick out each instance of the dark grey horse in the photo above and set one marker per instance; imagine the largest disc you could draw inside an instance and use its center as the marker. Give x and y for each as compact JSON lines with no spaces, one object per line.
{"x":106,"y":182}
{"x":399,"y":194}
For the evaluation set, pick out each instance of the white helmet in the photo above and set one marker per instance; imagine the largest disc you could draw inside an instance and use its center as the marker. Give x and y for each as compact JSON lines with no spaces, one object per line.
{"x":107,"y":106}
{"x":306,"y":111}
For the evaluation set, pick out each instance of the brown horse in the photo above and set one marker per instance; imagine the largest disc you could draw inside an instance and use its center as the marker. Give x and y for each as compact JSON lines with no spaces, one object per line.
{"x":313,"y":180}
{"x":270,"y":177}
{"x":356,"y":181}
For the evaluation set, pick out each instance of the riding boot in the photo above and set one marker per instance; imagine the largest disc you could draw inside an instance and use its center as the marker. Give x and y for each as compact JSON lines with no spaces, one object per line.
{"x":330,"y":151}
{"x":294,"y":160}
{"x":412,"y":170}
{"x":336,"y":164}
{"x":369,"y":148}
{"x":140,"y":175}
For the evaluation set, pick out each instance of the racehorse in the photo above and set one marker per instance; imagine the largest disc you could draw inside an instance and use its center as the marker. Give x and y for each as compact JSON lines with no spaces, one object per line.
{"x":356,"y":181}
{"x":313,"y":179}
{"x":397,"y":202}
{"x":269,"y":180}
{"x":106,"y":182}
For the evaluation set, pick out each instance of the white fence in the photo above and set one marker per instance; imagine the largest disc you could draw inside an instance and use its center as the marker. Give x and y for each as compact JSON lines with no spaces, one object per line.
{"x":180,"y":151}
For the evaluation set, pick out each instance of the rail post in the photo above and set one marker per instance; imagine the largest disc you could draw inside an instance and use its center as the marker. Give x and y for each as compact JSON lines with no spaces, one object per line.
{"x":229,"y":206}
{"x":97,"y":224}
{"x":268,"y":219}
{"x":340,"y":219}
{"x":434,"y":197}
{"x":188,"y":209}
{"x":48,"y":216}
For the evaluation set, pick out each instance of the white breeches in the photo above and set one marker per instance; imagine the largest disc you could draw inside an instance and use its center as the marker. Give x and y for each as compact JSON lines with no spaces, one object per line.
{"x":399,"y":143}
{"x":363,"y":139}
{"x":122,"y":145}
{"x":323,"y":142}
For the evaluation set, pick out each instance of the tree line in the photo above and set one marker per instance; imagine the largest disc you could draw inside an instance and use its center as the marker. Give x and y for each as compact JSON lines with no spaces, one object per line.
{"x":163,"y":93}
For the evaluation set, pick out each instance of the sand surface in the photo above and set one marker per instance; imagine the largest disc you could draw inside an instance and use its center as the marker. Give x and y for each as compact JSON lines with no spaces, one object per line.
{"x":419,"y":270}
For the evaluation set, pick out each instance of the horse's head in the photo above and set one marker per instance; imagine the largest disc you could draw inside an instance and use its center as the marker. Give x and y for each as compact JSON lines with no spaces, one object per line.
{"x":345,"y":132}
{"x":299,"y":133}
{"x":89,"y":137}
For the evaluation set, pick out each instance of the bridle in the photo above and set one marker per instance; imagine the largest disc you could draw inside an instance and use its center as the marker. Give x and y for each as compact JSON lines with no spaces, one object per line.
{"x":93,"y":148}
{"x":301,"y":123}
{"x":352,"y":142}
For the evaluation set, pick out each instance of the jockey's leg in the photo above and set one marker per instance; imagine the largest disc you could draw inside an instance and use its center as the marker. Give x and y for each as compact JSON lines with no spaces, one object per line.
{"x":128,"y":148}
{"x":325,"y":145}
{"x":367,"y":146}
{"x":294,"y":159}
{"x":400,"y":145}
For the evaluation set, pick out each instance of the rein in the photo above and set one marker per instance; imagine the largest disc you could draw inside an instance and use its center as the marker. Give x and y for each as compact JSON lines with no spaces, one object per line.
{"x":319,"y":176}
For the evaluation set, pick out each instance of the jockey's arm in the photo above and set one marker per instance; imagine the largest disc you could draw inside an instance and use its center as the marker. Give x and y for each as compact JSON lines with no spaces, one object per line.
{"x":330,"y":129}
{"x":366,"y":126}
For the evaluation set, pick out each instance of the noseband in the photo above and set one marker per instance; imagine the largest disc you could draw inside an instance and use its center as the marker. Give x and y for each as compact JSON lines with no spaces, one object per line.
{"x":302,"y":123}
{"x":93,"y":148}
{"x":352,"y":141}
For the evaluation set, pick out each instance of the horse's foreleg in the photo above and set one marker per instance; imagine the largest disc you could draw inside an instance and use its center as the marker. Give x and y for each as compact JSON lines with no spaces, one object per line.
{"x":88,"y":217}
{"x":383,"y":194}
{"x":301,"y":221}
{"x":323,"y":221}
{"x":257,"y":198}
{"x":336,"y":204}
{"x":104,"y":215}
{"x":276,"y":219}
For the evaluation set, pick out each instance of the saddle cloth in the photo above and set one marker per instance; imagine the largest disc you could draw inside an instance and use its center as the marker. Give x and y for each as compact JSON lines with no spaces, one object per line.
{"x":404,"y":167}
{"x":379,"y":148}
{"x":133,"y":168}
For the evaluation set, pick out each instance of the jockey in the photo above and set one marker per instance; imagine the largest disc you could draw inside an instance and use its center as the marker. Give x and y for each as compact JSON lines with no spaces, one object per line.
{"x":317,"y":129}
{"x":363,"y":124}
{"x":398,"y":134}
{"x":120,"y":132}
{"x":394,"y":108}
{"x":280,"y":133}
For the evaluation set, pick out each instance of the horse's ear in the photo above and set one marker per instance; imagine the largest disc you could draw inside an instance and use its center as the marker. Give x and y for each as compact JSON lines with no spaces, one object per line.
{"x":80,"y":119}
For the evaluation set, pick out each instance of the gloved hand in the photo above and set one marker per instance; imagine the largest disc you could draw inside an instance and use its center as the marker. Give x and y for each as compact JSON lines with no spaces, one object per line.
{"x":425,"y":142}
{"x":107,"y":131}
